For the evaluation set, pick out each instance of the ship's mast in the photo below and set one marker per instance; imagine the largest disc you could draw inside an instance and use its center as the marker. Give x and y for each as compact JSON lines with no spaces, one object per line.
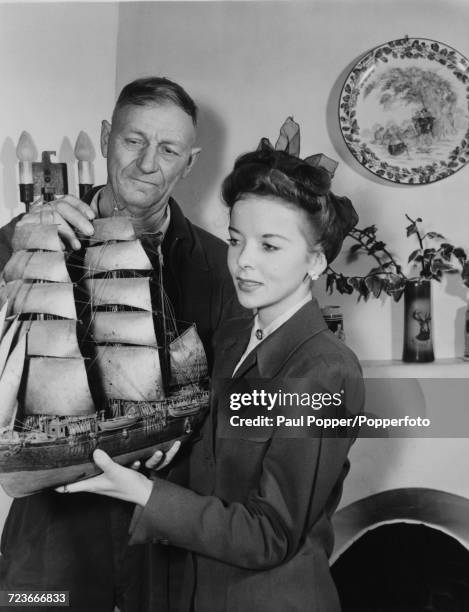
{"x":164,"y":354}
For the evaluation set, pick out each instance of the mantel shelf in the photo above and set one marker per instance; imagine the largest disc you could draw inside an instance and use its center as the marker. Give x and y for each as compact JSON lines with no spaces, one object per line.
{"x":441,"y":368}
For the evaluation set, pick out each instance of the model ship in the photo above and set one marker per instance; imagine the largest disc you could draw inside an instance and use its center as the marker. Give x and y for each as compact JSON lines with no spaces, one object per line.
{"x":89,"y":357}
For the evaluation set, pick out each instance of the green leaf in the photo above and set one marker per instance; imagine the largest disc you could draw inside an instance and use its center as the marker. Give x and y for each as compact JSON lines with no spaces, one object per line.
{"x":435,"y":236}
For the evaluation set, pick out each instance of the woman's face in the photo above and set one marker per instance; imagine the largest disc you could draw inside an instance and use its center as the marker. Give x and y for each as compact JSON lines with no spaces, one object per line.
{"x":268,"y":256}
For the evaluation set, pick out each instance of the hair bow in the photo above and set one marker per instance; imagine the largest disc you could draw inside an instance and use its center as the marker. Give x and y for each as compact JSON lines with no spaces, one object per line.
{"x":289,"y":142}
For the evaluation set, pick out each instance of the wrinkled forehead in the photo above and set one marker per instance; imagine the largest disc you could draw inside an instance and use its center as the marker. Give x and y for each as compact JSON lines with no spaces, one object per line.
{"x":163,"y":118}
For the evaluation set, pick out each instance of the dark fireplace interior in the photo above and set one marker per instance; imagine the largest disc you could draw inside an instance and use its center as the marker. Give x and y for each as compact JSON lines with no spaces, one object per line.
{"x":403,"y":568}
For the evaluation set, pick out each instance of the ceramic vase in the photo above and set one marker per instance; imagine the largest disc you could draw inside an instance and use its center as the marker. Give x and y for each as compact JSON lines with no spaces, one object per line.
{"x":418,"y":335}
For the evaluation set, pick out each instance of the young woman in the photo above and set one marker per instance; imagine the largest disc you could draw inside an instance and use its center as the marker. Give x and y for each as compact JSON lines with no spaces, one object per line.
{"x":255,"y":519}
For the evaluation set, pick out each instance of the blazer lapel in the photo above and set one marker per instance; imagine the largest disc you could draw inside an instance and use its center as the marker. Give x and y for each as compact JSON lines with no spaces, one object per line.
{"x":278,"y":347}
{"x":231,"y":346}
{"x":248,"y":363}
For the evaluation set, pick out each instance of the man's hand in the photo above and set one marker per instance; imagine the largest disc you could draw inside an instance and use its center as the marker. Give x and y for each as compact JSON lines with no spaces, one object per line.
{"x":159,"y":459}
{"x":115,"y":481}
{"x":71,"y":215}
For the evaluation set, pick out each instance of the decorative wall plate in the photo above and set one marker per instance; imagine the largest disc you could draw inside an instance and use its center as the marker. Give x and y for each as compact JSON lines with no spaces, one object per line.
{"x":404,"y":111}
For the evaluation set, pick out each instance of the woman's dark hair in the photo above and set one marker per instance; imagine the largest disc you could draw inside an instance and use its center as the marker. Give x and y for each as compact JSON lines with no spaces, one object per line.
{"x":267,"y":172}
{"x":156,"y":90}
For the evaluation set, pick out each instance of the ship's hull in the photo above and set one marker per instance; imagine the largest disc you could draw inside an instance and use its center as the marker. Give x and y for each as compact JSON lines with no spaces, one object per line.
{"x":29,"y":466}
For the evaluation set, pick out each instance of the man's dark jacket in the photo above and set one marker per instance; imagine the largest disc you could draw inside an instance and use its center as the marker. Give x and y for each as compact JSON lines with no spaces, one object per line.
{"x":78,"y":543}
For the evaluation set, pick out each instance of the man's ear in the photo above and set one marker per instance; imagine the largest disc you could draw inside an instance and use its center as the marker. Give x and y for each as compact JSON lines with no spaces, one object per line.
{"x":105,"y":132}
{"x":192,"y":159}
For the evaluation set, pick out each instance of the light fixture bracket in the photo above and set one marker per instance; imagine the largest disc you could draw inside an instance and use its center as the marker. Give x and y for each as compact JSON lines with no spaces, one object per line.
{"x":49,"y":178}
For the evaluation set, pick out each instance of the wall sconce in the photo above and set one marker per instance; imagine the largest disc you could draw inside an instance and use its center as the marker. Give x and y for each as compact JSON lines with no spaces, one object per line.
{"x":48,"y":179}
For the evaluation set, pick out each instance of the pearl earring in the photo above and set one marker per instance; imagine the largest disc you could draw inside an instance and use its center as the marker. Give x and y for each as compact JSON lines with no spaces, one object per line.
{"x":313,"y":275}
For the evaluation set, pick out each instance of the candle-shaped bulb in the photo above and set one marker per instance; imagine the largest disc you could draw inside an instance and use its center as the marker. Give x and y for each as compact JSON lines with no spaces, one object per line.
{"x":84,"y":152}
{"x":26,"y":153}
{"x":25,"y":149}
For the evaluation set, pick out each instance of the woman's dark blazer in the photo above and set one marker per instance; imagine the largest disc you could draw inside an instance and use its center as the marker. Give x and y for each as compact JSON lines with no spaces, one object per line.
{"x":256,"y":518}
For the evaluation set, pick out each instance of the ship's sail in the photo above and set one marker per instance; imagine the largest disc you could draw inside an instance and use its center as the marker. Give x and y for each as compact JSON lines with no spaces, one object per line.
{"x":187,"y":358}
{"x":27,"y":265}
{"x":134,"y":292}
{"x":35,"y":236}
{"x":40,"y":298}
{"x":130,"y":373}
{"x":112,"y":228}
{"x":3,"y":314}
{"x":10,"y":381}
{"x":124,"y":327}
{"x":11,"y":369}
{"x":7,"y":341}
{"x":66,"y":391}
{"x":39,"y":291}
{"x":118,"y":256}
{"x":52,"y":338}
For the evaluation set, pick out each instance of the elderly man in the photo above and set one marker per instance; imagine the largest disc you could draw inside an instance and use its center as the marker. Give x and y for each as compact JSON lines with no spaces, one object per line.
{"x":79,"y":544}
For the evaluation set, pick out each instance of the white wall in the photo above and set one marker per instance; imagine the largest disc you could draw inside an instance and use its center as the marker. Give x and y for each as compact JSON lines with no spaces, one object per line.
{"x":251,"y":64}
{"x":57,"y":72}
{"x":57,"y":68}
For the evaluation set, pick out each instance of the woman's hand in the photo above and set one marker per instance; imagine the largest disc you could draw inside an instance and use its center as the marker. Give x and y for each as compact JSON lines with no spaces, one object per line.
{"x":115,"y":481}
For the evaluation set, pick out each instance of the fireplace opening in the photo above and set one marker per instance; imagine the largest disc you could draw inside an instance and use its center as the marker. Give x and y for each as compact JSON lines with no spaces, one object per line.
{"x":403,"y":568}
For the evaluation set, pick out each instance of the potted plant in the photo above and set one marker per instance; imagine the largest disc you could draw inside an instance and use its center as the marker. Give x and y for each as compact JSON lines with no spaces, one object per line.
{"x":433,"y":258}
